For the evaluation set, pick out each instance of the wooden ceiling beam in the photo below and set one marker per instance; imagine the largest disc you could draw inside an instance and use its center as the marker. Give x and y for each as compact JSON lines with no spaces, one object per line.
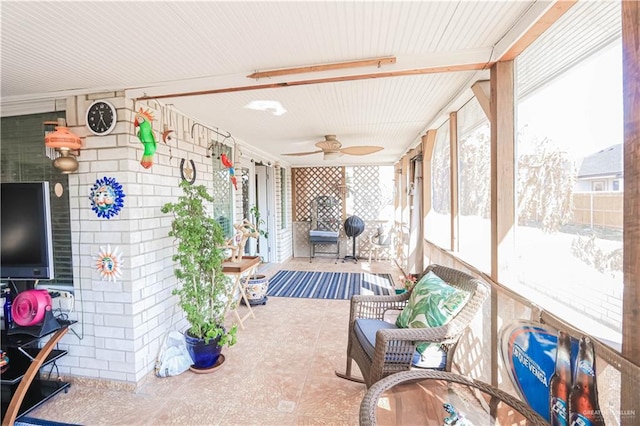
{"x":419,"y":71}
{"x":539,"y":27}
{"x":377,"y":62}
{"x":482,"y":91}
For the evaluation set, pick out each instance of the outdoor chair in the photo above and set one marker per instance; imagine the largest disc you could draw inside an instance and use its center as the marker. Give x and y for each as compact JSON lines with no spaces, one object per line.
{"x":383,"y":239}
{"x":325,"y":226}
{"x":381,"y":348}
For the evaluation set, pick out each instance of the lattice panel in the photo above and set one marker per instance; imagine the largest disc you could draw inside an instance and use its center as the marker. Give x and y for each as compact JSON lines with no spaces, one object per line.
{"x":221,"y":192}
{"x":311,"y":182}
{"x":366,"y":191}
{"x":326,"y":214}
{"x":244,"y":178}
{"x":301,"y":239}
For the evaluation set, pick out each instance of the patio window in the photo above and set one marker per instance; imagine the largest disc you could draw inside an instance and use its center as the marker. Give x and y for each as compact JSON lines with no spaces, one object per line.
{"x":568,"y":239}
{"x":474,"y":185}
{"x":23,"y":159}
{"x":438,"y":229}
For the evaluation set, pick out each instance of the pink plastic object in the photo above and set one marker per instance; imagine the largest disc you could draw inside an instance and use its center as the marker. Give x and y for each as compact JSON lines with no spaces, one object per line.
{"x":29,"y":307}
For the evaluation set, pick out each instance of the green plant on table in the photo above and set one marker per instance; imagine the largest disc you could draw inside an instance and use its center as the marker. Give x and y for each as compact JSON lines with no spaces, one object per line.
{"x":206,"y":294}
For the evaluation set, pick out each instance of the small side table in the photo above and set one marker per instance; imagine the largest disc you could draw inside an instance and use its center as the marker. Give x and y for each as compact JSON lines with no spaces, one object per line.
{"x":245,"y":266}
{"x":423,"y":396}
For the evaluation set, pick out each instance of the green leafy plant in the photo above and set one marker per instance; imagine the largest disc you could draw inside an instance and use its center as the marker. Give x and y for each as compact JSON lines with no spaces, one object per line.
{"x":206,"y":294}
{"x":255,"y":212}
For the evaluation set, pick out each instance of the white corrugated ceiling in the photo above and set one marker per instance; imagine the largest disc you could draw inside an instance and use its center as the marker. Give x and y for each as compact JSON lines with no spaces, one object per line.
{"x":52,"y":49}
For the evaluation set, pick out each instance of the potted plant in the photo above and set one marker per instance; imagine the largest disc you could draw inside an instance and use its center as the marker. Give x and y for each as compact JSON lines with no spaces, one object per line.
{"x":205,"y":292}
{"x":408,"y":281}
{"x":256,"y":285}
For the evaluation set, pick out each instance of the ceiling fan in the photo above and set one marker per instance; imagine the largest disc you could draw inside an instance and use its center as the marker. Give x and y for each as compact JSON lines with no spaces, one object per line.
{"x":332,"y":148}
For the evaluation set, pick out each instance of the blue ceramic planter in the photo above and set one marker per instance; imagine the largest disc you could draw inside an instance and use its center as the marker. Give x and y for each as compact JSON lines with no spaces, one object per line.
{"x":204,"y":355}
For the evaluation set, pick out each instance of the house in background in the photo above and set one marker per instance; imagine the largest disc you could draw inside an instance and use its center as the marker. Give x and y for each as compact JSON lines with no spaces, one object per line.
{"x":601,"y":171}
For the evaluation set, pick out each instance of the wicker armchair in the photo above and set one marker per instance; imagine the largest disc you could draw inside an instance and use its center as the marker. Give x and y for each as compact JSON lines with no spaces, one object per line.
{"x":395,"y":347}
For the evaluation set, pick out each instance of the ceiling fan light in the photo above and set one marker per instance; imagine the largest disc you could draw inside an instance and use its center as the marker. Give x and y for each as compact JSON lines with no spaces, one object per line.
{"x":332,"y":155}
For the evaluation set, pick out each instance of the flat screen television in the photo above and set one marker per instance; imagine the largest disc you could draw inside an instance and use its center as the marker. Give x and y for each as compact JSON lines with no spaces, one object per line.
{"x":25,"y":224}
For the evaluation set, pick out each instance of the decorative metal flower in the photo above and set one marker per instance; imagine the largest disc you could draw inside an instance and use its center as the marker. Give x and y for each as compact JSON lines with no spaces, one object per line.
{"x":106,"y":197}
{"x":109,"y":263}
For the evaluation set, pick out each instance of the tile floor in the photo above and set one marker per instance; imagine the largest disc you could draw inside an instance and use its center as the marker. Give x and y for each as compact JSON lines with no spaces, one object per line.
{"x":281,"y":372}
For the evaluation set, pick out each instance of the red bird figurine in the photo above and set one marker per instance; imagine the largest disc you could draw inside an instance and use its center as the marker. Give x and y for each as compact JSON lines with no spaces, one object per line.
{"x":229,"y":165}
{"x":225,"y":161}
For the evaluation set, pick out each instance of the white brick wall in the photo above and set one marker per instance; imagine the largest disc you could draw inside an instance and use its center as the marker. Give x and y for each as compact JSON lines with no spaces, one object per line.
{"x":122,"y":324}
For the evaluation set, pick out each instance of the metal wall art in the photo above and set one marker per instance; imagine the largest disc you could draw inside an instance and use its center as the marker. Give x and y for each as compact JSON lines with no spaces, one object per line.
{"x":143,"y":122}
{"x":188,"y":170}
{"x":168,"y":132}
{"x":229,"y":165}
{"x":107,"y":197}
{"x":109,"y":263}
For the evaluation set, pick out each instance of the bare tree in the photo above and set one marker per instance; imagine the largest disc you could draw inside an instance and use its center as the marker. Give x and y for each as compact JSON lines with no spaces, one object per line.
{"x":441,"y":179}
{"x":475,"y":173}
{"x":545,"y":186}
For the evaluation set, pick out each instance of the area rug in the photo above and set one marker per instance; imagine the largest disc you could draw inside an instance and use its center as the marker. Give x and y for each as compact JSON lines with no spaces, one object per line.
{"x":328,"y":285}
{"x":30,"y":421}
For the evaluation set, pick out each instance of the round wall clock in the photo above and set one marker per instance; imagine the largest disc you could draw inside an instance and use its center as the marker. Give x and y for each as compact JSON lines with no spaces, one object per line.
{"x":101,"y":118}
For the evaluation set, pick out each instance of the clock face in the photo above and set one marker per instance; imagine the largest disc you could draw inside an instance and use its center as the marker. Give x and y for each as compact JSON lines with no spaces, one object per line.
{"x":101,"y":117}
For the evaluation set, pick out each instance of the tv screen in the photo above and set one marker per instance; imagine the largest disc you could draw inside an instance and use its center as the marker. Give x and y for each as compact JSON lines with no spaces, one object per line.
{"x":25,"y":224}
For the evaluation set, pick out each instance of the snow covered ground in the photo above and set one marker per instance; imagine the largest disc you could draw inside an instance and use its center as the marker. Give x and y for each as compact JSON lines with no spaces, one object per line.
{"x":545,"y":270}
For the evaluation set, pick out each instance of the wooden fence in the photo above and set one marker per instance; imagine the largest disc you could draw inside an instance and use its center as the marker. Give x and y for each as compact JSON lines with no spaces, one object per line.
{"x":598,"y":209}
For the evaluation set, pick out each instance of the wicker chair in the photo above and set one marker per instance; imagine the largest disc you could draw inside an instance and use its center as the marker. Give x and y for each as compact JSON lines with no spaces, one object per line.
{"x":395,"y":347}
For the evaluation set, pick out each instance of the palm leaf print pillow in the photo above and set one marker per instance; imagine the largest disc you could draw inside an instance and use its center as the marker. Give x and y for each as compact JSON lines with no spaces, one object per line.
{"x":432,"y":303}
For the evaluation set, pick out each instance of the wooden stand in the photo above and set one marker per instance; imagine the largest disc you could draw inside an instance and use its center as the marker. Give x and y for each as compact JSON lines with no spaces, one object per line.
{"x":247,"y":265}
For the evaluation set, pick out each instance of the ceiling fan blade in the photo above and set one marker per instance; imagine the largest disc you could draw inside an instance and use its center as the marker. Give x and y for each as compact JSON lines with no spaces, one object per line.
{"x":299,"y":154}
{"x":361,"y":150}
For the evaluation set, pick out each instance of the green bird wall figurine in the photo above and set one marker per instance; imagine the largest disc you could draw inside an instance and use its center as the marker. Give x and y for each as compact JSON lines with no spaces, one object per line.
{"x":145,"y":134}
